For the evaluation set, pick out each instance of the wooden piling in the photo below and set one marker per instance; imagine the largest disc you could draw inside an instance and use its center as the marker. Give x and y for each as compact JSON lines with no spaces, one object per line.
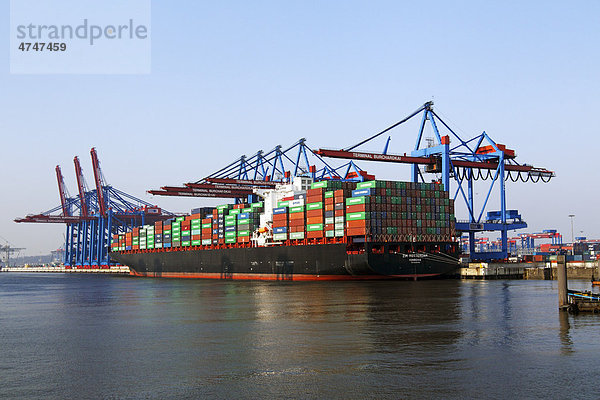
{"x":563,"y":293}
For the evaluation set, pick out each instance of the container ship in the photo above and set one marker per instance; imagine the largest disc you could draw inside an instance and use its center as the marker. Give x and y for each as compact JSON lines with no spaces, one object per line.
{"x":305,"y":230}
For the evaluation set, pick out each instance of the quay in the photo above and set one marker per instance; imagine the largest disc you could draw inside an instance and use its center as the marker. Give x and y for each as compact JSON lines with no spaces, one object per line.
{"x":122,"y":270}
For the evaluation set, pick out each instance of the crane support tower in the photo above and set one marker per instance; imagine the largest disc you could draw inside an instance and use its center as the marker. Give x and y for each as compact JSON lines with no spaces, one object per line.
{"x":93,"y":216}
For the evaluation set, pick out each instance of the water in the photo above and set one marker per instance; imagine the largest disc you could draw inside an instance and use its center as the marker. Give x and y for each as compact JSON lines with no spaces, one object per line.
{"x":91,"y":336}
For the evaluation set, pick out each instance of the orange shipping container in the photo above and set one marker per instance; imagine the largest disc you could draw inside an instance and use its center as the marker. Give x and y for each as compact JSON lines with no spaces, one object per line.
{"x":359,"y":223}
{"x":356,"y":231}
{"x":314,"y":220}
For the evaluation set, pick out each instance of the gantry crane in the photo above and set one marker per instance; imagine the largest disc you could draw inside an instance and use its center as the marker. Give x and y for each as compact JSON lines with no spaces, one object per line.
{"x":94,"y":215}
{"x":264,"y":170}
{"x":478,"y":158}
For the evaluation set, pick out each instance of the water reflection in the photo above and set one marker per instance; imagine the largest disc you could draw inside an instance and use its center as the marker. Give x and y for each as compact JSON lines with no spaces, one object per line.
{"x":565,"y":337}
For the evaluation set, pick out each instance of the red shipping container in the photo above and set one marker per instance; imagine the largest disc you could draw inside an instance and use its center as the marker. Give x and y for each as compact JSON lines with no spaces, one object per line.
{"x":329,"y":227}
{"x":329,"y":207}
{"x":314,"y":234}
{"x":279,"y":217}
{"x":314,"y":199}
{"x":339,"y":213}
{"x":314,"y":213}
{"x":314,"y":192}
{"x":356,"y":208}
{"x":243,"y":239}
{"x":297,"y":216}
{"x":196,"y":237}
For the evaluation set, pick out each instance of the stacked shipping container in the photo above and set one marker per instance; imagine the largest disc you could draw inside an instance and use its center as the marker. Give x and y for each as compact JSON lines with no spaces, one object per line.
{"x":376,"y":210}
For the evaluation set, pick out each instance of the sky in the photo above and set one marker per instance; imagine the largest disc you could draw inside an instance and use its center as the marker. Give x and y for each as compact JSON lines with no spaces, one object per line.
{"x":230,"y":78}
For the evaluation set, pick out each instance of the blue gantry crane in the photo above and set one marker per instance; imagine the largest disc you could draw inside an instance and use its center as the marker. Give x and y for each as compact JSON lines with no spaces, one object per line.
{"x":263,"y":170}
{"x":94,"y":215}
{"x":461,"y":162}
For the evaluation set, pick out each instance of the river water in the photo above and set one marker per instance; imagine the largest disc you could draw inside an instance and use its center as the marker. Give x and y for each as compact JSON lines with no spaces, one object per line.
{"x":93,"y":336}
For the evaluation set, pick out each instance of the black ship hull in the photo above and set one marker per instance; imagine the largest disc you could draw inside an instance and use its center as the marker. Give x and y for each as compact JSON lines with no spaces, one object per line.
{"x":309,"y":262}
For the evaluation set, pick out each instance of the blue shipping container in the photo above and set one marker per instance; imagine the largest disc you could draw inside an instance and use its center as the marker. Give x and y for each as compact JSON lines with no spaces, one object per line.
{"x":362,"y":192}
{"x":281,"y":229}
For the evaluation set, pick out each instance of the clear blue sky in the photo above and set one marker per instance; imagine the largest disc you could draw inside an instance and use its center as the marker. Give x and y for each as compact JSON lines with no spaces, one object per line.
{"x":229,"y":78}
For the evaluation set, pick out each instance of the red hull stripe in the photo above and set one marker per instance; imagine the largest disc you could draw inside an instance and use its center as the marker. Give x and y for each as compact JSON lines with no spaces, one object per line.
{"x":273,"y":277}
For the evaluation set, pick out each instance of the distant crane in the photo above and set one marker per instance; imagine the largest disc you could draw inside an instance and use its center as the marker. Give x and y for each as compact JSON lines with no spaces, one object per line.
{"x":8,"y":249}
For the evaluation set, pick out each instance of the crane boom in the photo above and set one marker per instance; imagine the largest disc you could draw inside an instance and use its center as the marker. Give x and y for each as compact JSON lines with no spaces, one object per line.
{"x":356,"y":155}
{"x":80,"y":186}
{"x":98,"y":181}
{"x":62,"y":191}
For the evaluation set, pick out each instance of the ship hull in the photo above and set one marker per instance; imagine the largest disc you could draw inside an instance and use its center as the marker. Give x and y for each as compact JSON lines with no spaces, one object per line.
{"x":297,"y":263}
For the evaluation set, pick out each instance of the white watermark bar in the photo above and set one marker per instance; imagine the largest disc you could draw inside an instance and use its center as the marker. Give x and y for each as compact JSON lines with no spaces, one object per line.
{"x":80,"y":37}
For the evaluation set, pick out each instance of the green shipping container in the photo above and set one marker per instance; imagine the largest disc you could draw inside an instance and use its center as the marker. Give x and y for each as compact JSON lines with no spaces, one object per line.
{"x":319,"y":185}
{"x":355,"y":216}
{"x":243,"y":233}
{"x":280,"y":236}
{"x":235,"y":211}
{"x":196,"y":242}
{"x":350,"y":201}
{"x":297,"y":235}
{"x":283,"y":204}
{"x":329,"y":220}
{"x":314,"y":227}
{"x":329,"y":233}
{"x":206,"y":242}
{"x":296,"y":209}
{"x":230,"y":240}
{"x":230,"y":235}
{"x":329,"y":194}
{"x":179,"y":219}
{"x":314,"y":206}
{"x":366,"y":185}
{"x":207,"y":225}
{"x":257,"y":205}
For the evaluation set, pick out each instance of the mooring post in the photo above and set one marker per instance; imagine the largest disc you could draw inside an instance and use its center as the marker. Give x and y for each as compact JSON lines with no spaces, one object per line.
{"x":563,"y":297}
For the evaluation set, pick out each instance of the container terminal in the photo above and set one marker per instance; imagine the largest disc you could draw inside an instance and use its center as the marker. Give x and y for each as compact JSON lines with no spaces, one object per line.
{"x":100,"y":220}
